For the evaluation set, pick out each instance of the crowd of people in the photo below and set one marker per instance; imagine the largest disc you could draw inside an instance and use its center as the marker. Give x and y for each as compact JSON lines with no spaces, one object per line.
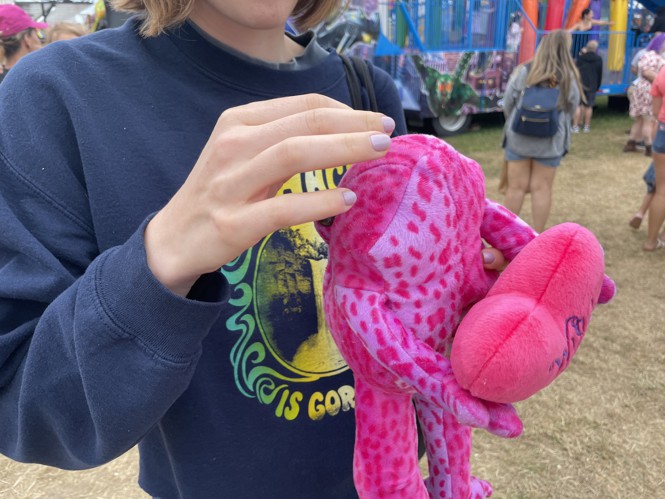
{"x":531,"y":162}
{"x":645,"y":97}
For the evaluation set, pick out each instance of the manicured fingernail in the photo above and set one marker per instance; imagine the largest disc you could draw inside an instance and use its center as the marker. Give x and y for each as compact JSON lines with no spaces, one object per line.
{"x":488,"y":257}
{"x":349,"y":197}
{"x":380,"y":142}
{"x":388,"y":124}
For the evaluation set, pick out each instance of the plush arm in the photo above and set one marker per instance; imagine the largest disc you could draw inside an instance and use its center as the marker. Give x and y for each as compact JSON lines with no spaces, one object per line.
{"x":509,"y":234}
{"x":504,"y":230}
{"x":416,"y":364}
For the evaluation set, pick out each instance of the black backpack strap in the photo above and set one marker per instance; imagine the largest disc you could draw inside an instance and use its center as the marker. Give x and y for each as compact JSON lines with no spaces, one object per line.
{"x":363,"y":71}
{"x":358,"y":76}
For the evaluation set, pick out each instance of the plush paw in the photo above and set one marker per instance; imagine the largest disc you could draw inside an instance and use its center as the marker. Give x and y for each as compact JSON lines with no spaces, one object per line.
{"x":504,"y":420}
{"x":607,"y":290}
{"x":524,"y":333}
{"x":467,"y":409}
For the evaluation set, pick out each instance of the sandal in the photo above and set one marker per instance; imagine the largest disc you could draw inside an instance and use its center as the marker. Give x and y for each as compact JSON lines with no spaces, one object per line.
{"x":660,"y":244}
{"x":636,"y":221}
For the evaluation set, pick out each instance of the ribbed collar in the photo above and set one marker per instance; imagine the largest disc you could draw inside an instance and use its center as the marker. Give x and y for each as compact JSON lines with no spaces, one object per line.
{"x":230,"y":69}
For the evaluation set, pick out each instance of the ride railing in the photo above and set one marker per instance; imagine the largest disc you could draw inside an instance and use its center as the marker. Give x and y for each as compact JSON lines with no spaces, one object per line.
{"x":445,"y":25}
{"x":616,"y":48}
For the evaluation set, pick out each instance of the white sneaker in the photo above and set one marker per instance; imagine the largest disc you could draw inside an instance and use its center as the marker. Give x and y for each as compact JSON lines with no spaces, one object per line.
{"x":586,"y":129}
{"x":575,"y":129}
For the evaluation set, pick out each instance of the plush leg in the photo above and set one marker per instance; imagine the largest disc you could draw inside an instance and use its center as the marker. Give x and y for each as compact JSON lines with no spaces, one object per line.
{"x":448,"y":446}
{"x":386,"y":452}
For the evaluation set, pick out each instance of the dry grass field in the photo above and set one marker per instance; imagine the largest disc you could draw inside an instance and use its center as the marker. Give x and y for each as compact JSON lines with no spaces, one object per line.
{"x":599,"y":430}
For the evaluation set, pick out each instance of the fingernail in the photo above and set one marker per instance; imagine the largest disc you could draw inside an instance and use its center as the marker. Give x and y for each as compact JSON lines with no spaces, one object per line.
{"x":380,"y":142}
{"x":488,"y":257}
{"x":388,"y":124}
{"x":349,"y":197}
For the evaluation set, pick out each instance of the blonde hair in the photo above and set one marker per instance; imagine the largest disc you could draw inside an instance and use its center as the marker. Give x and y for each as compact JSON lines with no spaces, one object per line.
{"x":158,"y":15}
{"x":64,"y":28}
{"x":553,"y":65}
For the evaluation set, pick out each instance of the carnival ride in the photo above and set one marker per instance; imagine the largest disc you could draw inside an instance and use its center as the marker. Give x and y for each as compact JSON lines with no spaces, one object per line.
{"x":451,"y":59}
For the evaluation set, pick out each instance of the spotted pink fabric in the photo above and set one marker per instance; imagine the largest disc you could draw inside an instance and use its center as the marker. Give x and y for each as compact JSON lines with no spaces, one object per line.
{"x":404,"y":266}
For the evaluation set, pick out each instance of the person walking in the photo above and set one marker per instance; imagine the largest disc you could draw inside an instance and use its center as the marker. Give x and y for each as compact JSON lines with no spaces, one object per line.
{"x":656,"y":211}
{"x":640,"y":100}
{"x":590,"y":66}
{"x":531,"y":162}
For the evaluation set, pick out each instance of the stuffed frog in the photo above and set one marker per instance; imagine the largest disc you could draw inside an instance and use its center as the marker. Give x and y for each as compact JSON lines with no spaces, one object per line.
{"x":404,"y":268}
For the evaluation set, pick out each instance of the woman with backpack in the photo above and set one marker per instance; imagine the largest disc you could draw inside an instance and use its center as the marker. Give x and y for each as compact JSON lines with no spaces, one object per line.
{"x":537,"y":136}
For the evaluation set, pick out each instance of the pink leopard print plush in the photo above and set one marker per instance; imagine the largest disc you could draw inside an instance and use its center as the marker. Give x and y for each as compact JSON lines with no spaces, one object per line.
{"x":404,"y":266}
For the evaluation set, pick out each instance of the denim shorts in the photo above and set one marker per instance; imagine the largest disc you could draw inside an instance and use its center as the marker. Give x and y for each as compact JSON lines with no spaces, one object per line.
{"x":659,"y":141}
{"x":555,"y":161}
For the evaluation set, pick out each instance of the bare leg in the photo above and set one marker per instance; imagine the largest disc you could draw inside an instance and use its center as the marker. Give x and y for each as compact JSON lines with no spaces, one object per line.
{"x":647,"y":129}
{"x":577,"y":117}
{"x":636,"y":130}
{"x":645,"y":203}
{"x":542,"y":179}
{"x":636,"y":221}
{"x":588,"y":112}
{"x":657,"y":206}
{"x":519,"y":176}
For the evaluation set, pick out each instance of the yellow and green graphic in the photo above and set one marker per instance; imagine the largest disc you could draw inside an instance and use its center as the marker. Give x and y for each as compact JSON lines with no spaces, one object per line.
{"x":285,"y":356}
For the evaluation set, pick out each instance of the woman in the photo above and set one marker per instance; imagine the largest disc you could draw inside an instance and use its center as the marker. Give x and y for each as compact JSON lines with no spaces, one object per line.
{"x":657,"y":204}
{"x":585,"y":24}
{"x":532,"y":161}
{"x":640,"y":109}
{"x":19,"y":36}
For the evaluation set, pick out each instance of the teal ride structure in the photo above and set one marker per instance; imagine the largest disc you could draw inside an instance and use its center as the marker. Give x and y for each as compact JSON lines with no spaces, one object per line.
{"x":451,"y":59}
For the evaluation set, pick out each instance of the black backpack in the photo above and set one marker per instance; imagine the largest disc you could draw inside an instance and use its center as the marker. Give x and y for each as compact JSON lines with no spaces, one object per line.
{"x":537,"y":113}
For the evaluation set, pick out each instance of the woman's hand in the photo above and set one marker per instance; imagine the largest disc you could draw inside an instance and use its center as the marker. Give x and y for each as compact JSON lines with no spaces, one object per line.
{"x":228,"y":203}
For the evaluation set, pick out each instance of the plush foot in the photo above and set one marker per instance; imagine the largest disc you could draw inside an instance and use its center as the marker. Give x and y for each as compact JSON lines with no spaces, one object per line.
{"x":636,"y":221}
{"x":480,"y":488}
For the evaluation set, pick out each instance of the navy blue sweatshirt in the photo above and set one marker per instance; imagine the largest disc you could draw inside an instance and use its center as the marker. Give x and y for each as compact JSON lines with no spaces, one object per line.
{"x":233,"y":392}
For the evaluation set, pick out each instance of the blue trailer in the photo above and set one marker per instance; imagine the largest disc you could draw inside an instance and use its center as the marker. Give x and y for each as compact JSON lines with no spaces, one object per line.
{"x":451,"y":59}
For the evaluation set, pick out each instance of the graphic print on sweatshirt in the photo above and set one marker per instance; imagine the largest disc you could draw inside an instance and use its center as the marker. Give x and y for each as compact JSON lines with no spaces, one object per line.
{"x":284,"y":356}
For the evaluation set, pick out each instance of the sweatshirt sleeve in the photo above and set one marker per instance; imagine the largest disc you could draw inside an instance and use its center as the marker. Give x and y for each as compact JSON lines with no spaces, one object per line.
{"x":93,"y":349}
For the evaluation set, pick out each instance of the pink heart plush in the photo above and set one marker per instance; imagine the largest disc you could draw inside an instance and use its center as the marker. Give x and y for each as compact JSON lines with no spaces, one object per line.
{"x":525,"y":332}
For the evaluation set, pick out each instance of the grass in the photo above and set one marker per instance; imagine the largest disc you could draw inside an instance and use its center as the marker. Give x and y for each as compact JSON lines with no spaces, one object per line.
{"x":598,"y":430}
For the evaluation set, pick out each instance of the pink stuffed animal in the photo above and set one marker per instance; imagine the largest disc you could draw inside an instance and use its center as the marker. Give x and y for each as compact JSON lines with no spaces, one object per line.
{"x":404,"y":266}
